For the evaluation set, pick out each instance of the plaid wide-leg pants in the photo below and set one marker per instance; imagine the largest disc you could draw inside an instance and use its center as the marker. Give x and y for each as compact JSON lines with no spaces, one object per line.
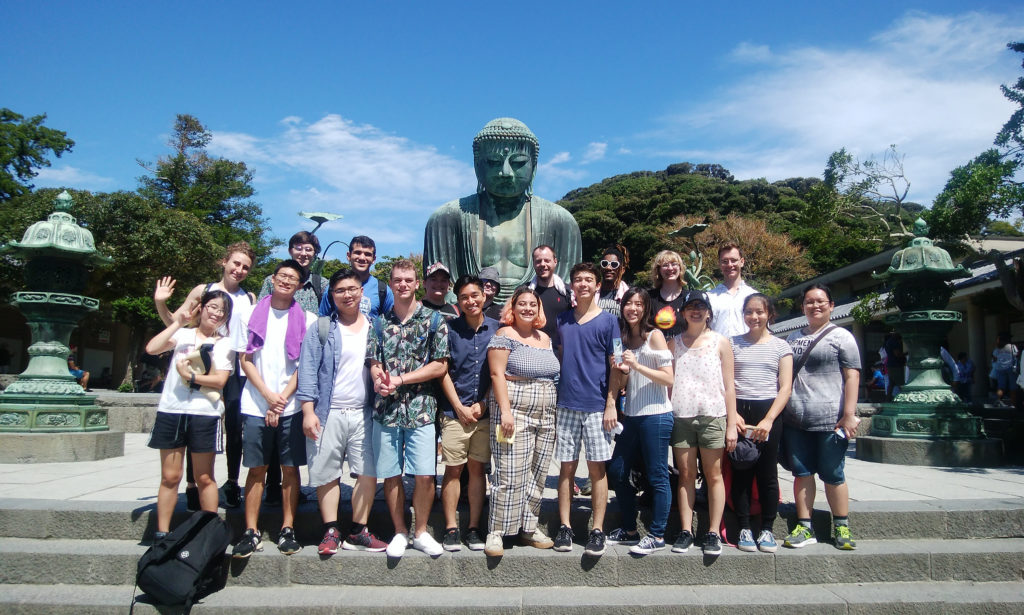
{"x":521,"y":468}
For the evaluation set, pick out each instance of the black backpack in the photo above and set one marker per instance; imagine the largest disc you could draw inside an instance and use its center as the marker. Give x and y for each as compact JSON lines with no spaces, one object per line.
{"x":185,"y":565}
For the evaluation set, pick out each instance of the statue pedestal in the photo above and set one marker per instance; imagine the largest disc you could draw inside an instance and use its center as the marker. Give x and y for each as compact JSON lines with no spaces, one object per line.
{"x":979,"y":453}
{"x":22,"y":412}
{"x":59,"y":447}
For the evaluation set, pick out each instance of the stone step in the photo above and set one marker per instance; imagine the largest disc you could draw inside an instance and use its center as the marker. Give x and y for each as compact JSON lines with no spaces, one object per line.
{"x":869,"y":598}
{"x":113,"y":562}
{"x":983,"y":518}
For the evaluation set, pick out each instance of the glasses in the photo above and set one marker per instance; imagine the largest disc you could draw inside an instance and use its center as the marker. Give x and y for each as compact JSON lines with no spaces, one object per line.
{"x":341,"y":292}
{"x":209,"y":307}
{"x":818,"y":302}
{"x":611,"y":264}
{"x":284,"y":277}
{"x":492,"y":284}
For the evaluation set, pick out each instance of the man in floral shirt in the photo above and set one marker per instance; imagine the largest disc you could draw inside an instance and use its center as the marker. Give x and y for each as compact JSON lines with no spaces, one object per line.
{"x":408,"y":351}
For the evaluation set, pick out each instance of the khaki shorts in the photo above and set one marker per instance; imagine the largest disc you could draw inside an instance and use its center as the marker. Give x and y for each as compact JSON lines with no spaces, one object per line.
{"x":699,"y":431}
{"x":460,"y":441}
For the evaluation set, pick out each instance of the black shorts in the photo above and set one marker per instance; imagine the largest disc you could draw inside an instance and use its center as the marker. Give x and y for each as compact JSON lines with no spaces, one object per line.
{"x":260,"y":441}
{"x":201,"y":434}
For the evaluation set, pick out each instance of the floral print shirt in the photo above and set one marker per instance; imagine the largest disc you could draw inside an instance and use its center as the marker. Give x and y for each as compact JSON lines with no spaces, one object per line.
{"x":402,"y":348}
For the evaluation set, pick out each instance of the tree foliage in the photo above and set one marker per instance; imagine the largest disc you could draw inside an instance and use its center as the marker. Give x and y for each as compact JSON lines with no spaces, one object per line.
{"x":215,"y":190}
{"x":773,"y":261}
{"x":24,"y":147}
{"x":988,"y":186}
{"x":639,"y":209}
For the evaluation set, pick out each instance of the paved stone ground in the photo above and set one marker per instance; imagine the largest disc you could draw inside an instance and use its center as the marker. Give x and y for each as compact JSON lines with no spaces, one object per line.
{"x":134,"y":477}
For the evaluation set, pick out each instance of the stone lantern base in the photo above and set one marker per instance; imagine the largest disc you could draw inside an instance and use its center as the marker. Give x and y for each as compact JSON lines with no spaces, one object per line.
{"x":55,"y":428}
{"x":978,"y":453}
{"x":59,"y":447}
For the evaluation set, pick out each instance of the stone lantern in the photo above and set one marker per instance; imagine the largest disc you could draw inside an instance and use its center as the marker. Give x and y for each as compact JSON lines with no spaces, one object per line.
{"x":46,"y":400}
{"x":926,"y":423}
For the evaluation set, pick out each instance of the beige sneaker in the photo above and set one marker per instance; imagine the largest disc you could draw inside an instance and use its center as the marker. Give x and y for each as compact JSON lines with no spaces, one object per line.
{"x":536,"y":539}
{"x":495,"y":545}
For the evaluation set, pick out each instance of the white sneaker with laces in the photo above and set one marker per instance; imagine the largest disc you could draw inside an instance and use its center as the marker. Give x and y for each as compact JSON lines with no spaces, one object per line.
{"x":397,"y":546}
{"x":426,"y":543}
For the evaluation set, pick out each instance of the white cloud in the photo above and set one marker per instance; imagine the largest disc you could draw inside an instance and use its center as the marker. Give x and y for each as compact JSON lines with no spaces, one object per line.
{"x":71,"y":177}
{"x":553,"y":173}
{"x":748,"y":52}
{"x":385,"y":186}
{"x":927,"y":83}
{"x":594,"y":151}
{"x":353,"y":165}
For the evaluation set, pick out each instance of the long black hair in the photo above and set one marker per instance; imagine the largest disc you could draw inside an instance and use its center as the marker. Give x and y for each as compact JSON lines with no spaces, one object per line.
{"x":646,"y":325}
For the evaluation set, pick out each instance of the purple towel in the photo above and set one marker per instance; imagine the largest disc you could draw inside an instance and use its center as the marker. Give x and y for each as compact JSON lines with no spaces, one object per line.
{"x":293,"y":334}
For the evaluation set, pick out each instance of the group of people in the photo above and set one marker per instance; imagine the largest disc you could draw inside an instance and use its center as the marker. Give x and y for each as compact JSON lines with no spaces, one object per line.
{"x":325,"y":373}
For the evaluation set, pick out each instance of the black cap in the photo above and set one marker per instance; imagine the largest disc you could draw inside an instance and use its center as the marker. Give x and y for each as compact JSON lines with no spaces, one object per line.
{"x":697,"y":296}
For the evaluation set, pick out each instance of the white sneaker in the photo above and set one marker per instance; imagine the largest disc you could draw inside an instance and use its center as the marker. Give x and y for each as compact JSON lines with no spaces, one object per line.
{"x":397,"y":546}
{"x":495,"y":546}
{"x":426,"y":543}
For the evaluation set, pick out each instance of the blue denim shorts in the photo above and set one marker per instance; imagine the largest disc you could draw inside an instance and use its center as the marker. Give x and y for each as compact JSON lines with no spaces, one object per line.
{"x":816,"y":452}
{"x":400,"y":449}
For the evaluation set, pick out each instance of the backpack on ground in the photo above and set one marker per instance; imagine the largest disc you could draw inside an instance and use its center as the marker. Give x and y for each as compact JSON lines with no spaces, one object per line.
{"x":186,"y":564}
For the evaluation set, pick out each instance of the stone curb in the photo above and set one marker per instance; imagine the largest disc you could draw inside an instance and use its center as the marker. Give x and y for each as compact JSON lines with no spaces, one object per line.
{"x":112,"y":562}
{"x":867,"y":599}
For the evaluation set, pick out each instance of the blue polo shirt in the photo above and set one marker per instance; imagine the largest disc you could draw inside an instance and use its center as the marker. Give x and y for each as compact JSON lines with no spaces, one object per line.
{"x":583,"y":385}
{"x":468,"y":362}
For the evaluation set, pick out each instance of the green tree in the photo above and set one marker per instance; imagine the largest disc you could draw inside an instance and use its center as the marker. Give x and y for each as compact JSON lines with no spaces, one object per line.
{"x":24,"y":147}
{"x":143,"y":238}
{"x":215,"y":190}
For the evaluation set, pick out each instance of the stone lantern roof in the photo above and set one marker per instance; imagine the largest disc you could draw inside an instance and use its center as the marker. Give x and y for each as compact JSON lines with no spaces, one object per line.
{"x":922,"y":258}
{"x":59,"y":235}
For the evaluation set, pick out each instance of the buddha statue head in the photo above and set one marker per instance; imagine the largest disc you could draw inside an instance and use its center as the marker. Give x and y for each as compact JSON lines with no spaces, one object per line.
{"x":505,"y":158}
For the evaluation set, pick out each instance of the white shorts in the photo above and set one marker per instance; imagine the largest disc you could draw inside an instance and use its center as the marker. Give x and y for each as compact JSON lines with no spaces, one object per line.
{"x":346,"y":436}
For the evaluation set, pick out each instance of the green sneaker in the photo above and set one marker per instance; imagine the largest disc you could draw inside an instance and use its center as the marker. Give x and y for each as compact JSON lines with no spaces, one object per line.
{"x":843,"y":538}
{"x":800,"y":537}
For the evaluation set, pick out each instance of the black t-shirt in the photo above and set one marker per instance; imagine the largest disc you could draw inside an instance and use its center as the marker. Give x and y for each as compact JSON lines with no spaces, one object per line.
{"x":666,"y":315}
{"x":554,"y":304}
{"x":493,"y":311}
{"x":447,"y":310}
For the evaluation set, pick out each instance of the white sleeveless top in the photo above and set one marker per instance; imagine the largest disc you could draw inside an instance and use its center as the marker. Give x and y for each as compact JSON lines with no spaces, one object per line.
{"x":699,"y":389}
{"x":645,"y":397}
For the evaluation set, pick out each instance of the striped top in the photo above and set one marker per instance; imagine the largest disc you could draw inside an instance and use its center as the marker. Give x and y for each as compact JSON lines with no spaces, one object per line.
{"x":643,"y":396}
{"x":756,"y":366}
{"x":526,"y":361}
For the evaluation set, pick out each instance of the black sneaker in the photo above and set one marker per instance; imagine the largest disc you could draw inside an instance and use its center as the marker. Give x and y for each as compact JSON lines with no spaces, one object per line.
{"x":232,"y":494}
{"x":595,"y":544}
{"x":563,"y":540}
{"x":712,"y":544}
{"x":683,"y":543}
{"x":192,"y":498}
{"x":474,"y":541}
{"x":286,"y":542}
{"x":451,"y":540}
{"x":249,"y":544}
{"x":158,"y":536}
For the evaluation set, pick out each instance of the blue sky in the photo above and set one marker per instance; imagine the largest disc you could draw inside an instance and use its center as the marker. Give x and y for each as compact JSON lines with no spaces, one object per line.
{"x":369,"y":109}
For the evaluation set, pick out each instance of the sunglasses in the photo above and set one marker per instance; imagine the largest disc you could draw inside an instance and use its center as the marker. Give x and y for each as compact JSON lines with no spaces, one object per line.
{"x":611,"y":264}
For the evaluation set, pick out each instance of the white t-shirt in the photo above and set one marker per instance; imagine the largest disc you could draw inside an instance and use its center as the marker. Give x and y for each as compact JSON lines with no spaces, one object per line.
{"x":350,"y":379}
{"x":273,"y":364}
{"x":727,"y":309}
{"x":241,"y":306}
{"x":177,"y":397}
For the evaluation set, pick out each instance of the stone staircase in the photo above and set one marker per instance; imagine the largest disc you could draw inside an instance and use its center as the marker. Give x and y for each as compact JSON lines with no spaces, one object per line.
{"x":957,"y":556}
{"x":912,"y":557}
